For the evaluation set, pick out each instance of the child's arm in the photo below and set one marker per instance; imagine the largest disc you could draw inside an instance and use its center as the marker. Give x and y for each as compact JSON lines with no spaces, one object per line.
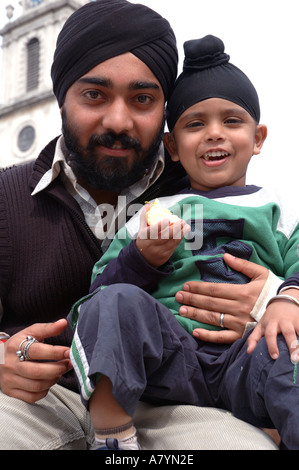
{"x":124,"y":261}
{"x":157,"y":242}
{"x":281,"y":316}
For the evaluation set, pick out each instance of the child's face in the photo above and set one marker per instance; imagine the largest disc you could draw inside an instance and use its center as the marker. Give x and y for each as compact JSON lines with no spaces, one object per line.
{"x":214,"y":140}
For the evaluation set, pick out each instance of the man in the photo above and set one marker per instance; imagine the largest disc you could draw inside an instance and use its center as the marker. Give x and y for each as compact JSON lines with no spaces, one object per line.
{"x":114,"y":65}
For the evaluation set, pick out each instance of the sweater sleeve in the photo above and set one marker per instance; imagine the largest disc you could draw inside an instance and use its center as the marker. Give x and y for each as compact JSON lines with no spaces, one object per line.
{"x":292,"y":281}
{"x":123,"y":263}
{"x":5,"y":243}
{"x":291,"y":260}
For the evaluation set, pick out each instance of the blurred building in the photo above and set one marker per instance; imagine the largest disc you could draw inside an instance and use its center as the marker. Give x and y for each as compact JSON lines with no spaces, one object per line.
{"x":29,"y":114}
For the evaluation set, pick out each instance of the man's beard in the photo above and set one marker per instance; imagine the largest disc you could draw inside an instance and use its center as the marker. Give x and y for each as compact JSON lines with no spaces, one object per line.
{"x":110,"y":173}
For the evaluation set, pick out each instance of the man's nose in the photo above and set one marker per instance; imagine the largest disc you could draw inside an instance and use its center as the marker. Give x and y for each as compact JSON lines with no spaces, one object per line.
{"x":117,"y":117}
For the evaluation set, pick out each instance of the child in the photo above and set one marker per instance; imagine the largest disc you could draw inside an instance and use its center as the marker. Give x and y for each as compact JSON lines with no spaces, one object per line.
{"x":129,"y":345}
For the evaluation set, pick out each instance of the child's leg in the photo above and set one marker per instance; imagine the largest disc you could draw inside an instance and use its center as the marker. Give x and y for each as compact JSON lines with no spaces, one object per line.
{"x":126,"y":335}
{"x":265,"y":392}
{"x":109,"y":419}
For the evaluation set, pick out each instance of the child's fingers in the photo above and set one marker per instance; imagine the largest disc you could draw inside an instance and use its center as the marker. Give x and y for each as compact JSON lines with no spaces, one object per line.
{"x":290,"y":336}
{"x":254,"y":338}
{"x":270,"y":337}
{"x":178,"y":230}
{"x":143,"y":220}
{"x":159,"y":230}
{"x":271,"y":340}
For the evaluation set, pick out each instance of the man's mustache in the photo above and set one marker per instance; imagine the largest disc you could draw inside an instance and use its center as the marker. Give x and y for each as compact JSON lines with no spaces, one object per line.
{"x":110,"y":139}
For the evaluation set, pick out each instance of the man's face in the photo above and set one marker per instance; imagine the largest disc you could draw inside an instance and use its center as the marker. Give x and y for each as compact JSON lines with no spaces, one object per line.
{"x":113,"y":123}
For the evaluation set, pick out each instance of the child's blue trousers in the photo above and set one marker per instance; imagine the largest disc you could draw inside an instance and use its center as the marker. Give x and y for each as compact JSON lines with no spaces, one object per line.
{"x":126,"y":335}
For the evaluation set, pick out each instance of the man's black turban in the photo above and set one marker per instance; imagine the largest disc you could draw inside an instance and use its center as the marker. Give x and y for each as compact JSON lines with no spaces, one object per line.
{"x":207,"y":73}
{"x":103,"y":29}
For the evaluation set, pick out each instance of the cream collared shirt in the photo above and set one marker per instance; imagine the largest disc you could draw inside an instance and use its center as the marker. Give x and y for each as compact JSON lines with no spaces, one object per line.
{"x":98,"y":217}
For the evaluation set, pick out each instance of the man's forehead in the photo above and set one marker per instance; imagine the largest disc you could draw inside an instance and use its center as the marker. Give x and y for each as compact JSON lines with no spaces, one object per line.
{"x":108,"y":83}
{"x":125,"y":69}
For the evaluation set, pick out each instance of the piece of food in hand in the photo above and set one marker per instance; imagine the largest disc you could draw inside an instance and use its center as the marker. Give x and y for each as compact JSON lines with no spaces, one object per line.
{"x":157,"y":213}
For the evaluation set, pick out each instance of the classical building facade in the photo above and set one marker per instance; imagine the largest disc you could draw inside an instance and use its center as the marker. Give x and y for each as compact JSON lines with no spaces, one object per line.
{"x":29,"y":114}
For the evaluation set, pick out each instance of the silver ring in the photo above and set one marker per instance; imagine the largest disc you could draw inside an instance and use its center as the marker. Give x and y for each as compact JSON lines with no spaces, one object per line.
{"x":23,"y":355}
{"x":221,"y":320}
{"x":19,"y":352}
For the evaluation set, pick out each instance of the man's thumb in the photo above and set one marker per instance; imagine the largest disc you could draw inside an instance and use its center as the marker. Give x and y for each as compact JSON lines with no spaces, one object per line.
{"x":251,"y":270}
{"x":41,"y":331}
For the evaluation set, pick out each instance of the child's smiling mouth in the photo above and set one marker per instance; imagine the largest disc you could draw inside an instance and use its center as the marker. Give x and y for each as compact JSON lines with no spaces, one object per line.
{"x":215,"y":155}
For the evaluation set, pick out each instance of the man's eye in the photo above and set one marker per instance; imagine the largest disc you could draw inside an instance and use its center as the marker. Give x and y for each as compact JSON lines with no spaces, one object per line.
{"x":144,"y":99}
{"x":92,"y":94}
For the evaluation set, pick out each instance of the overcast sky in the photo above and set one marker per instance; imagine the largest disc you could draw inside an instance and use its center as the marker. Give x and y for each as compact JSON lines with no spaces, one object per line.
{"x":261,"y":37}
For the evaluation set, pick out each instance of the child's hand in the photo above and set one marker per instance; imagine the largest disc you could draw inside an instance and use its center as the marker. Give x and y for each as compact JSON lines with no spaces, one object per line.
{"x":157,"y":242}
{"x":280,"y":317}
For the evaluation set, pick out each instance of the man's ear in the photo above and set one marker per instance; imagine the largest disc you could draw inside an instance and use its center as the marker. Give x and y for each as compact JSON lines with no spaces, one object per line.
{"x":169,"y":142}
{"x":260,"y":137}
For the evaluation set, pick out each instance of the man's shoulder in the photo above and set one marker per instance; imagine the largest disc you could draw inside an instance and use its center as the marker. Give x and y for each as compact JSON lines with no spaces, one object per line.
{"x":15,"y":171}
{"x":34,"y":168}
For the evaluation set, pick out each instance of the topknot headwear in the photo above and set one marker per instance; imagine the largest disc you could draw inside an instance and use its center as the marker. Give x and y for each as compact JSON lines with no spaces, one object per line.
{"x":103,"y":29}
{"x":207,"y":73}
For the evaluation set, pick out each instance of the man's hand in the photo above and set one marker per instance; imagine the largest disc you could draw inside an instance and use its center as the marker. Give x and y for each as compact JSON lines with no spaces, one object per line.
{"x":205,"y":301}
{"x":30,"y":380}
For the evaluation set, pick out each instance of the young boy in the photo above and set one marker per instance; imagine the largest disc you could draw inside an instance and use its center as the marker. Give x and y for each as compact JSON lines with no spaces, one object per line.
{"x":129,"y":345}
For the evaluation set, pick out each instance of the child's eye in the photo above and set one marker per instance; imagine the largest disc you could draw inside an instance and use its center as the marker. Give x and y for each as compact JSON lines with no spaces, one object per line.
{"x":233,"y":121}
{"x":194,"y":124}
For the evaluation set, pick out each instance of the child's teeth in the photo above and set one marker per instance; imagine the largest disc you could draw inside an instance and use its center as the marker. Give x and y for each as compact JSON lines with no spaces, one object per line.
{"x":218,"y":154}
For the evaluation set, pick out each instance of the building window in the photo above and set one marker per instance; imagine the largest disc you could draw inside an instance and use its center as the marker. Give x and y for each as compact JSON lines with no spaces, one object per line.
{"x":26,"y":138}
{"x":32,"y":64}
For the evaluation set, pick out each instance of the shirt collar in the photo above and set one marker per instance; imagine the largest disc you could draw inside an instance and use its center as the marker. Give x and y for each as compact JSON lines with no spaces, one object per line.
{"x":58,"y":164}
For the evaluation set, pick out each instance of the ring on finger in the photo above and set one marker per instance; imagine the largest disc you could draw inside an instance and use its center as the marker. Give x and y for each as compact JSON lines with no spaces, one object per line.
{"x":19,"y":352}
{"x":23,"y":355}
{"x":26,"y":349}
{"x":221,"y":320}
